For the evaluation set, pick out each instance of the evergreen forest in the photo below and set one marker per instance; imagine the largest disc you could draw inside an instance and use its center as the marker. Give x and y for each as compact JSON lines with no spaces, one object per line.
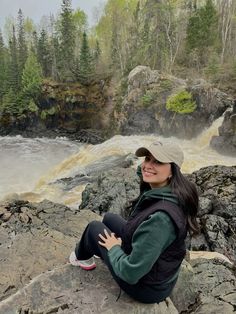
{"x":186,"y":38}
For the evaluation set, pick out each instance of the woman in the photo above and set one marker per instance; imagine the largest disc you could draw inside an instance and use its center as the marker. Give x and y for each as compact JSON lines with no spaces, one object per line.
{"x":145,"y":252}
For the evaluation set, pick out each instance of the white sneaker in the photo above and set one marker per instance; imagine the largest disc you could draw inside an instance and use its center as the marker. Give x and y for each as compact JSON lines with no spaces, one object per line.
{"x":88,"y":264}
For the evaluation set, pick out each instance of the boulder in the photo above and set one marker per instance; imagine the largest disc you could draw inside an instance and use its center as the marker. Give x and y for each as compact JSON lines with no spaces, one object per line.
{"x":216,"y":186}
{"x":225,"y":142}
{"x":35,"y":274}
{"x":42,"y":242}
{"x":71,"y":290}
{"x":143,"y":109}
{"x":204,"y":283}
{"x":111,"y":191}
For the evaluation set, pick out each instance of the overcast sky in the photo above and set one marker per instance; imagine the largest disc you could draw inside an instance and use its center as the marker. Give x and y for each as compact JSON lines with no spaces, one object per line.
{"x":35,"y":9}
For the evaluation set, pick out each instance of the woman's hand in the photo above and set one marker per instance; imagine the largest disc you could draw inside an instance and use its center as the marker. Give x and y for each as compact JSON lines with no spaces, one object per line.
{"x":109,"y":240}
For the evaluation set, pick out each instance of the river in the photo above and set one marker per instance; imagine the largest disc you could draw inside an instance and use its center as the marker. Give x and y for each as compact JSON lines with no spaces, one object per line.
{"x":30,"y":166}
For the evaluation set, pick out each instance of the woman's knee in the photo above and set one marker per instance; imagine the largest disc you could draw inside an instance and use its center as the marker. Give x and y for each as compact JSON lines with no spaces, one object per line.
{"x":94,"y":224}
{"x":108,"y":217}
{"x":95,"y":227}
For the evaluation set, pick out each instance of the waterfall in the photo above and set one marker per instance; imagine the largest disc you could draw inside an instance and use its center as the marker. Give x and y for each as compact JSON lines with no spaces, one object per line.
{"x":67,"y":159}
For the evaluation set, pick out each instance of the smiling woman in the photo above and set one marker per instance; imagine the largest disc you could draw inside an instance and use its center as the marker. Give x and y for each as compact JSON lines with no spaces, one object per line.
{"x":145,"y":252}
{"x":155,"y":172}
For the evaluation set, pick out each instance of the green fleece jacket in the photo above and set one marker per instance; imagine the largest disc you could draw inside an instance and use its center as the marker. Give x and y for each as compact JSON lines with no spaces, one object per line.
{"x":149,"y":240}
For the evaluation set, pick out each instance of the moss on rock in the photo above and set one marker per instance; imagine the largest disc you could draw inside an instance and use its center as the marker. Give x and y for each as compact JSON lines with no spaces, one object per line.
{"x":182,"y":103}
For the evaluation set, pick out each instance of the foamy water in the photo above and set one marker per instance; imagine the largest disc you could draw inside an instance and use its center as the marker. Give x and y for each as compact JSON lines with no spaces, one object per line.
{"x":197,"y":154}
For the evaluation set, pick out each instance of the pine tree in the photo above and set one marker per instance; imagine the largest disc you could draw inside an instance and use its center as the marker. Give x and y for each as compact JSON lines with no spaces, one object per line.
{"x":3,"y":74}
{"x":32,"y":77}
{"x":44,"y":56}
{"x":13,"y":69}
{"x":34,"y":43}
{"x":55,"y":58}
{"x":67,"y":41}
{"x":202,"y":30}
{"x":22,"y":47}
{"x":10,"y":103}
{"x":86,"y":69}
{"x":97,"y":52}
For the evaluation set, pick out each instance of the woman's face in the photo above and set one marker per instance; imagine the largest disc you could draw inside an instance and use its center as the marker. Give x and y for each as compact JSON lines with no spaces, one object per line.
{"x":155,"y":173}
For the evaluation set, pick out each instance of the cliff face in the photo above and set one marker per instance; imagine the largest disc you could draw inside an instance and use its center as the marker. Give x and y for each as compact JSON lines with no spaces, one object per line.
{"x":63,"y":108}
{"x":144,"y":110}
{"x":72,"y":107}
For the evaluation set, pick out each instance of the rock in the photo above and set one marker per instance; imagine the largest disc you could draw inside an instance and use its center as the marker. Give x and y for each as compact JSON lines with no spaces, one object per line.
{"x":6,"y":216}
{"x":143,"y":109}
{"x":199,"y":242}
{"x":30,"y":249}
{"x":112,"y":191}
{"x":215,"y":281}
{"x":68,"y":289}
{"x":216,"y":185}
{"x":205,"y":205}
{"x":225,"y":142}
{"x":185,"y":293}
{"x":141,"y":76}
{"x":36,"y":241}
{"x":199,"y":289}
{"x":208,"y":255}
{"x":91,"y":173}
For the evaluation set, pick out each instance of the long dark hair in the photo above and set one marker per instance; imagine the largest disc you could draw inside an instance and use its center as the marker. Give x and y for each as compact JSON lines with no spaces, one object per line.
{"x":186,"y":193}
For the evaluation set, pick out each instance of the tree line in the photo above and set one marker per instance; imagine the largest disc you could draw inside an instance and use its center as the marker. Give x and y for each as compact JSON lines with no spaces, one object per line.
{"x":60,"y":51}
{"x":183,"y":37}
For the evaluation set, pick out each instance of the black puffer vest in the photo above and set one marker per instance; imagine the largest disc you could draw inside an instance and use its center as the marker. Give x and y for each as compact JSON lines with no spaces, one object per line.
{"x":169,"y":261}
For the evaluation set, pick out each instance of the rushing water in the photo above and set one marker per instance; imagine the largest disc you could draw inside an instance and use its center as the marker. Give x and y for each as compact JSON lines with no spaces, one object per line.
{"x":33,"y":164}
{"x":23,"y":161}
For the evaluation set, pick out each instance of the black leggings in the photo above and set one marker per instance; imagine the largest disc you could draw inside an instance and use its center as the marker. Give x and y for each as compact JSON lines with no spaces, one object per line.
{"x":88,"y":246}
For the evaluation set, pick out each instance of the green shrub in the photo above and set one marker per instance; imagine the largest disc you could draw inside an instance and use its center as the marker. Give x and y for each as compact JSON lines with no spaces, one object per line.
{"x":181,"y":103}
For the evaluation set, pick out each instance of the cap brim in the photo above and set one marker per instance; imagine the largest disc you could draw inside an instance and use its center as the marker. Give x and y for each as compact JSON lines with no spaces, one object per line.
{"x":143,"y":151}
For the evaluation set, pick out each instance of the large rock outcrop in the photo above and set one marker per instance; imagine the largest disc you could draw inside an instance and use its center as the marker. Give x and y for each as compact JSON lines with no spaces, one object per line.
{"x":226,"y":141}
{"x":143,"y":109}
{"x":35,"y":276}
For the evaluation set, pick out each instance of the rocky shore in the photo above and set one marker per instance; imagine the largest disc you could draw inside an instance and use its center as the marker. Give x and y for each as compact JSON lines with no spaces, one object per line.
{"x":36,"y":239}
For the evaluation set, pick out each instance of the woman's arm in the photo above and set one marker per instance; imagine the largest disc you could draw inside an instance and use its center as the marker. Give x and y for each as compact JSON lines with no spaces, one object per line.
{"x":150,"y":239}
